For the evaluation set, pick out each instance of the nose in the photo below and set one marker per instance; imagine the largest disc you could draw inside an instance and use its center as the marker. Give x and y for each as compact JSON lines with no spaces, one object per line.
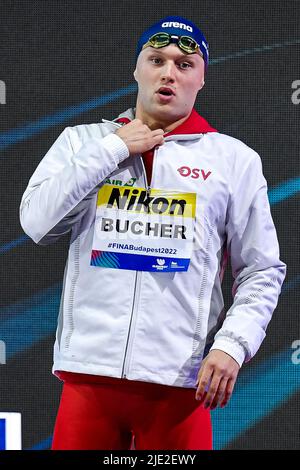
{"x":168,"y":72}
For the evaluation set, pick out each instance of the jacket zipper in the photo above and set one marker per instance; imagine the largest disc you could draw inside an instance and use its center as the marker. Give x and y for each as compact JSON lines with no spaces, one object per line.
{"x":136,"y":291}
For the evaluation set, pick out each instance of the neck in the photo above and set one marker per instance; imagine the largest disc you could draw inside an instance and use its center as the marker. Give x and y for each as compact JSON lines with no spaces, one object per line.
{"x":159,"y":123}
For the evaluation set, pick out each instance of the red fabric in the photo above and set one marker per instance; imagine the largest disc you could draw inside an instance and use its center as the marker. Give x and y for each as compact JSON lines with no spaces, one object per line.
{"x":195,"y":124}
{"x":123,"y":414}
{"x":125,"y":120}
{"x":148,"y":163}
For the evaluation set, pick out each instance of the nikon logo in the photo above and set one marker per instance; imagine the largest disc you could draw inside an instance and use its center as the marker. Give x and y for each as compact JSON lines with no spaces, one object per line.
{"x":140,"y":201}
{"x":174,"y":24}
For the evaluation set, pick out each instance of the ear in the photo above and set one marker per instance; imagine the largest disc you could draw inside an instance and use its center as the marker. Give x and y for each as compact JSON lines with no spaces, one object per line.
{"x":202,"y":85}
{"x":134,"y":74}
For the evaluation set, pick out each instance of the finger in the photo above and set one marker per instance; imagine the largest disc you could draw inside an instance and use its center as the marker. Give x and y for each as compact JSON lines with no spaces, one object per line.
{"x":157,"y":132}
{"x":228,"y":392}
{"x":199,"y":373}
{"x":220,"y":393}
{"x":204,"y":378}
{"x":211,"y":392}
{"x":158,"y":140}
{"x":202,"y":398}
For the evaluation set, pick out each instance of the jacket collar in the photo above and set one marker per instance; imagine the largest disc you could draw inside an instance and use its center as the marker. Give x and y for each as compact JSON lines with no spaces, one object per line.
{"x":192,"y":126}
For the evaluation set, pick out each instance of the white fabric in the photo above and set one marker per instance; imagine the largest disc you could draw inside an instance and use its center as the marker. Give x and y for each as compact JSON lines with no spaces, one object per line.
{"x":157,"y":327}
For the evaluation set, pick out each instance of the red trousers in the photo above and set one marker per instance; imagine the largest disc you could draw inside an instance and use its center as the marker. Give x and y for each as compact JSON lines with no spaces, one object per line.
{"x":119,"y":414}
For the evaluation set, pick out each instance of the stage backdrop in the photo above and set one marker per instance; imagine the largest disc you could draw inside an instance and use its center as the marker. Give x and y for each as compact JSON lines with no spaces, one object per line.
{"x":64,"y":63}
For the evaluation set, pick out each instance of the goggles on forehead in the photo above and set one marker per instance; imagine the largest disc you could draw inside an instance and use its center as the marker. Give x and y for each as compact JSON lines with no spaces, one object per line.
{"x":185,"y":43}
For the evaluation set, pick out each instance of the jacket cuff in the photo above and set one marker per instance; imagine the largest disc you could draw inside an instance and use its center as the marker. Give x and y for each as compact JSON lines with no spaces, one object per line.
{"x":116,"y":146}
{"x":231,"y":347}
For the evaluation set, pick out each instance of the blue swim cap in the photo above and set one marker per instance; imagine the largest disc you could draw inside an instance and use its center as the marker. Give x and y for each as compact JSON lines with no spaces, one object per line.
{"x":178,"y":26}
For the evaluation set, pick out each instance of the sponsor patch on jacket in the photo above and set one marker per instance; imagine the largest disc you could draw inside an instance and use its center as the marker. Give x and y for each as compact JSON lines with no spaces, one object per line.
{"x":144,"y":230}
{"x":130,"y":182}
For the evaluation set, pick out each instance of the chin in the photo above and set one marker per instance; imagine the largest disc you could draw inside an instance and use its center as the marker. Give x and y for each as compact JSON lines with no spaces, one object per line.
{"x":166,"y":109}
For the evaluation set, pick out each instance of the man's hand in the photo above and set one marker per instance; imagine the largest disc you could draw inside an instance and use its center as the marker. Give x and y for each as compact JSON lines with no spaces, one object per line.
{"x":220,"y":371}
{"x":139,"y":138}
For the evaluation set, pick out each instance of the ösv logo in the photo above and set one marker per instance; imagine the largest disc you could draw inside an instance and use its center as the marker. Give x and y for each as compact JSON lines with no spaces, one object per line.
{"x":194,"y":173}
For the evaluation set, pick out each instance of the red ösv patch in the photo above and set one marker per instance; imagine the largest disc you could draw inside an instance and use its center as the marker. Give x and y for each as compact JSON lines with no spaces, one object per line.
{"x":193,"y":172}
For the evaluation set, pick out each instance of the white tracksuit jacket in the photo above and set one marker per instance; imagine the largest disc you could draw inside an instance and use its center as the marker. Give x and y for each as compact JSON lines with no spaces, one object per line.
{"x":152,"y":326}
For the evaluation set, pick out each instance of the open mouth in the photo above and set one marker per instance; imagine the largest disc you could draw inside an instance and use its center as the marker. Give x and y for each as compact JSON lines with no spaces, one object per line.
{"x":165,"y":91}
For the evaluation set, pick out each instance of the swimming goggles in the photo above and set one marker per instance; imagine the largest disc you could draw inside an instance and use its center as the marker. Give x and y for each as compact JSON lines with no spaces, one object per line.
{"x":185,"y":43}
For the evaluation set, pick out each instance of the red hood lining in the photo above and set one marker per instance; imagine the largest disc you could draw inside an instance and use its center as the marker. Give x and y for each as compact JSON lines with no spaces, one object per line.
{"x":195,"y":124}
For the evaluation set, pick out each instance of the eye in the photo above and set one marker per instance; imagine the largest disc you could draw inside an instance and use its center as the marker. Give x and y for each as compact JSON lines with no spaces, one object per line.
{"x":185,"y":65}
{"x":155,"y":60}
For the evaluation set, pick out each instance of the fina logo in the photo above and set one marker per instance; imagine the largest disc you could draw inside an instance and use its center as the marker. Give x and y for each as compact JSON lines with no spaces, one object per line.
{"x":174,"y":24}
{"x":160,"y":266}
{"x":159,"y":261}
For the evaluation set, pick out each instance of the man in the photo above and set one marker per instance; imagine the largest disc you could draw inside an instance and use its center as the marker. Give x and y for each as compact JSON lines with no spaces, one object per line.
{"x":156,"y":201}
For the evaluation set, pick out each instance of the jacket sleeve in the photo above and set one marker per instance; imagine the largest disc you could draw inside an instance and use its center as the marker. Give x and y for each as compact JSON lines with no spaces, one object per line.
{"x":256,"y":268}
{"x":58,"y":192}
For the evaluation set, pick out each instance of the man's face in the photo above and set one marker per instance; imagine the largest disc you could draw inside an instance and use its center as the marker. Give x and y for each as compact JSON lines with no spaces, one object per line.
{"x":168,"y":67}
